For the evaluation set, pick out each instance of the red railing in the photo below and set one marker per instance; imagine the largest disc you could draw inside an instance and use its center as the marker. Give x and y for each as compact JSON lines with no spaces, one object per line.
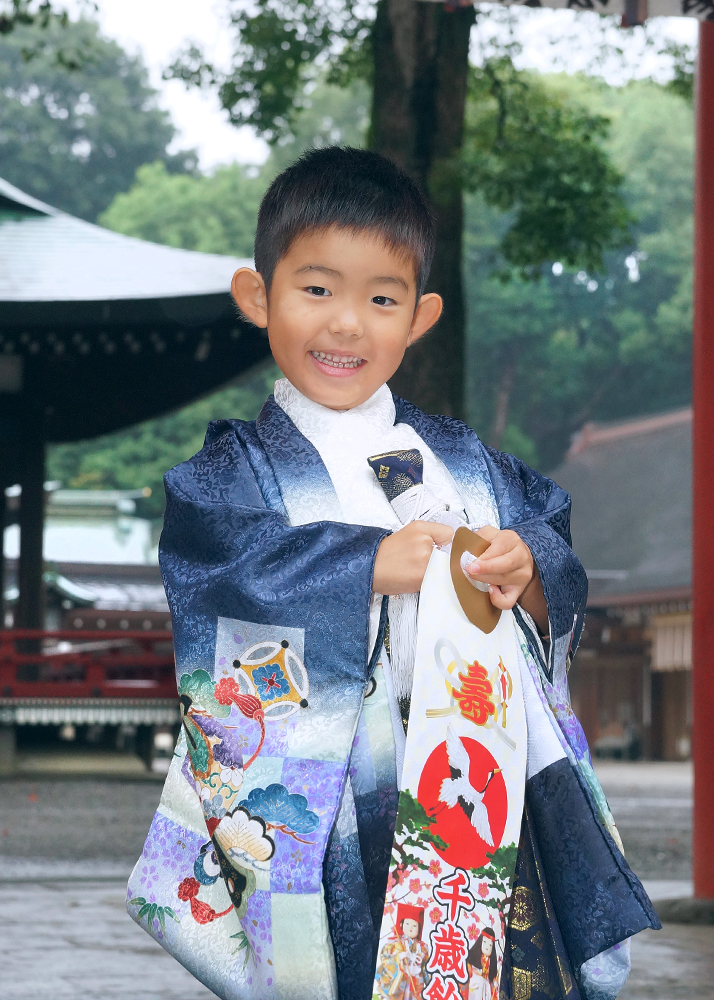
{"x":81,"y":664}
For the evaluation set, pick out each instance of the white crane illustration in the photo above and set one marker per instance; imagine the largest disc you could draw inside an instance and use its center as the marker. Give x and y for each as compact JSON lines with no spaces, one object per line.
{"x":458,"y":789}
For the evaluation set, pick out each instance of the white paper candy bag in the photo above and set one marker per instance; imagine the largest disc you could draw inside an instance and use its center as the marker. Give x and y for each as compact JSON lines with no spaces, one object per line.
{"x":461,"y":800}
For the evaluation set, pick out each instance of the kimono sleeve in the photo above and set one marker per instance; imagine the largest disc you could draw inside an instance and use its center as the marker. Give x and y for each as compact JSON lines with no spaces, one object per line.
{"x":271,"y":628}
{"x":225,"y":553}
{"x":539,"y":511}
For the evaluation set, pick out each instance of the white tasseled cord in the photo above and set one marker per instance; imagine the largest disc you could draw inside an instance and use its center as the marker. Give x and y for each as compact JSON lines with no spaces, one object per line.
{"x":413,"y":504}
{"x":403,"y":610}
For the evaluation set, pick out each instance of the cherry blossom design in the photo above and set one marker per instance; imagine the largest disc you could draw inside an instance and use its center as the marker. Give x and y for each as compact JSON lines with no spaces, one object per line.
{"x":228,"y":754}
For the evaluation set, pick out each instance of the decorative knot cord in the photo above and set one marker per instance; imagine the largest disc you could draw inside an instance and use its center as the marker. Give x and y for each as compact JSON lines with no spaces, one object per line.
{"x":400,"y":474}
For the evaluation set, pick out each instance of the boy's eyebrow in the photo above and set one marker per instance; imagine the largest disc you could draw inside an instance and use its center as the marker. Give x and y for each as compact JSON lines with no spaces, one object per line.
{"x":321,"y":268}
{"x":391,"y":279}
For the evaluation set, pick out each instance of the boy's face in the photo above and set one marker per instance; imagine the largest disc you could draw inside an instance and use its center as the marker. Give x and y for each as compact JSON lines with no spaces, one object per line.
{"x":340,"y":314}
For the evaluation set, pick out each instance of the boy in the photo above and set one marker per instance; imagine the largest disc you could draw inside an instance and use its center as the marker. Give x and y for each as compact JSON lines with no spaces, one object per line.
{"x":293,"y":552}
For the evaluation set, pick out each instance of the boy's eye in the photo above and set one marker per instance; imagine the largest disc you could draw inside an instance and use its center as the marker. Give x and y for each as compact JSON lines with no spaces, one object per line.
{"x":382,"y":300}
{"x":317,"y":290}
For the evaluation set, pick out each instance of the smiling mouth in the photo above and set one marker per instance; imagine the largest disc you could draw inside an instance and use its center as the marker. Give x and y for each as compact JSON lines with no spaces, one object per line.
{"x":337,"y":360}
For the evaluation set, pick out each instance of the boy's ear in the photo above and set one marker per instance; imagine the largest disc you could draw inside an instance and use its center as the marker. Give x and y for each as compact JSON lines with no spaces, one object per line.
{"x":249,"y":294}
{"x":426,"y":314}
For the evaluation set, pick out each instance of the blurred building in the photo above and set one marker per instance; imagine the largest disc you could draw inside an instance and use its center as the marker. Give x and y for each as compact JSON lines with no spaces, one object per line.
{"x":632,"y":514}
{"x":89,"y":693}
{"x":84,"y":311}
{"x":101,"y":562}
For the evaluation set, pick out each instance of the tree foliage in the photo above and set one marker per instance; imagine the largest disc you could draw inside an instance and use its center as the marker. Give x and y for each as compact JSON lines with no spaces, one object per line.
{"x":217,"y":213}
{"x":582,"y":345}
{"x":140,"y":455}
{"x":498,"y":874}
{"x":331,"y":115}
{"x":73,"y":130}
{"x":540,"y":155}
{"x":23,"y":13}
{"x":683,"y":66}
{"x":526,"y":148}
{"x":213,"y":214}
{"x":412,"y":832}
{"x":280,"y":46}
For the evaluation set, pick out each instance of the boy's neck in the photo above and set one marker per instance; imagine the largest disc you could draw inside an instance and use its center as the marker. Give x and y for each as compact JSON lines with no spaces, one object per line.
{"x":336,"y":409}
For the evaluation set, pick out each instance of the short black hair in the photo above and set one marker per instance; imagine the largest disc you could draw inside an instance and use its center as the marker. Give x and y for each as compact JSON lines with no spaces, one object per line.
{"x":351,"y":189}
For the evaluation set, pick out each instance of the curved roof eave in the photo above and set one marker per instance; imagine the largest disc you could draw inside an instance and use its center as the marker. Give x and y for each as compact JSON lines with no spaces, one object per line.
{"x":49,"y":256}
{"x":10,"y":196}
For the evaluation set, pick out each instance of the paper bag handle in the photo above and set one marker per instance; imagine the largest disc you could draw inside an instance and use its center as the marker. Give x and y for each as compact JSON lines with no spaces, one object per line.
{"x":475,"y":604}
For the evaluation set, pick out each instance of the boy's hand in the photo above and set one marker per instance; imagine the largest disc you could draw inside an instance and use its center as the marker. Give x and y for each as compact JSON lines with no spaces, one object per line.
{"x":507,"y":566}
{"x":402,"y":558}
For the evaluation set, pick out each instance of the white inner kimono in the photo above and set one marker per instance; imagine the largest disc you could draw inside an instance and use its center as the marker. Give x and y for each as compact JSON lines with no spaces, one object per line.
{"x":344,"y":440}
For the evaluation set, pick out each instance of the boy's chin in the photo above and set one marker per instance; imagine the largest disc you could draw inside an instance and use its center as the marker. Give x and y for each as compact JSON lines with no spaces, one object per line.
{"x":339,"y":393}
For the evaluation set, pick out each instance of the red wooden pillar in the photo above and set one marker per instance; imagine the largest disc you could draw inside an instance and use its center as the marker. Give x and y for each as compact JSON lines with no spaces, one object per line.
{"x":703,"y":513}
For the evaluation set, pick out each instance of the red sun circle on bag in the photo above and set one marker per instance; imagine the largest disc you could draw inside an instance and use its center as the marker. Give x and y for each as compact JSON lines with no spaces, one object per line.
{"x":466,"y":849}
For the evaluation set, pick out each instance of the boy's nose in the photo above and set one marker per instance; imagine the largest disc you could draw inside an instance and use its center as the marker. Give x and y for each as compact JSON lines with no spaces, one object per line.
{"x":346,"y":322}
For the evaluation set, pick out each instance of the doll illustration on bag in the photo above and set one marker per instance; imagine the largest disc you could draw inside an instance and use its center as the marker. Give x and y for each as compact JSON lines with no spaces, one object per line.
{"x":402,"y":962}
{"x":483,"y":961}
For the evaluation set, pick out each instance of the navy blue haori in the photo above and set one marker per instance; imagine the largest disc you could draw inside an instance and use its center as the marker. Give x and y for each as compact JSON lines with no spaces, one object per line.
{"x":265,"y":869}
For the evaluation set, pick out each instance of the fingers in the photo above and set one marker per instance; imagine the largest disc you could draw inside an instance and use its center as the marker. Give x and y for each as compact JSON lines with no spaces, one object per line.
{"x":488,"y":532}
{"x":504,"y":598}
{"x":501,"y":542}
{"x":441,"y":534}
{"x":402,"y":558}
{"x":500,"y":570}
{"x":507,"y":560}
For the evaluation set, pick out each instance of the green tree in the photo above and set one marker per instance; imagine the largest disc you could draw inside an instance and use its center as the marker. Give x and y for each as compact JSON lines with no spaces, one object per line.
{"x":498,"y":874}
{"x":22,"y":13}
{"x":213,"y":214}
{"x":581,"y":345}
{"x":217,"y":213}
{"x":329,"y":115}
{"x":412,"y":832}
{"x":74,"y":128}
{"x":140,"y":455}
{"x":534,"y":151}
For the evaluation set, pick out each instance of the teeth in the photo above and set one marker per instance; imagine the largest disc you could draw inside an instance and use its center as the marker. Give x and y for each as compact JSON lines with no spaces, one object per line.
{"x":337,"y":360}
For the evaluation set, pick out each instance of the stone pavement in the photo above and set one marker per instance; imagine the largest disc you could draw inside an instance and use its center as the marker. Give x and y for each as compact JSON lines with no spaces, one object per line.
{"x":67,"y":846}
{"x":652,"y":805}
{"x":74,"y":941}
{"x":676,"y":963}
{"x":61,"y":827}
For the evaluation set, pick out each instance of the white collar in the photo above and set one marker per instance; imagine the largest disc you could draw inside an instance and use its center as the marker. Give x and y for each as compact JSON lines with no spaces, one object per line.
{"x":314,"y":420}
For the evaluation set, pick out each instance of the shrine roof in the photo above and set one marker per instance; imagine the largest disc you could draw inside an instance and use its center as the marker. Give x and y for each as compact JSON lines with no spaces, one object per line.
{"x":631,"y":487}
{"x":49,"y":256}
